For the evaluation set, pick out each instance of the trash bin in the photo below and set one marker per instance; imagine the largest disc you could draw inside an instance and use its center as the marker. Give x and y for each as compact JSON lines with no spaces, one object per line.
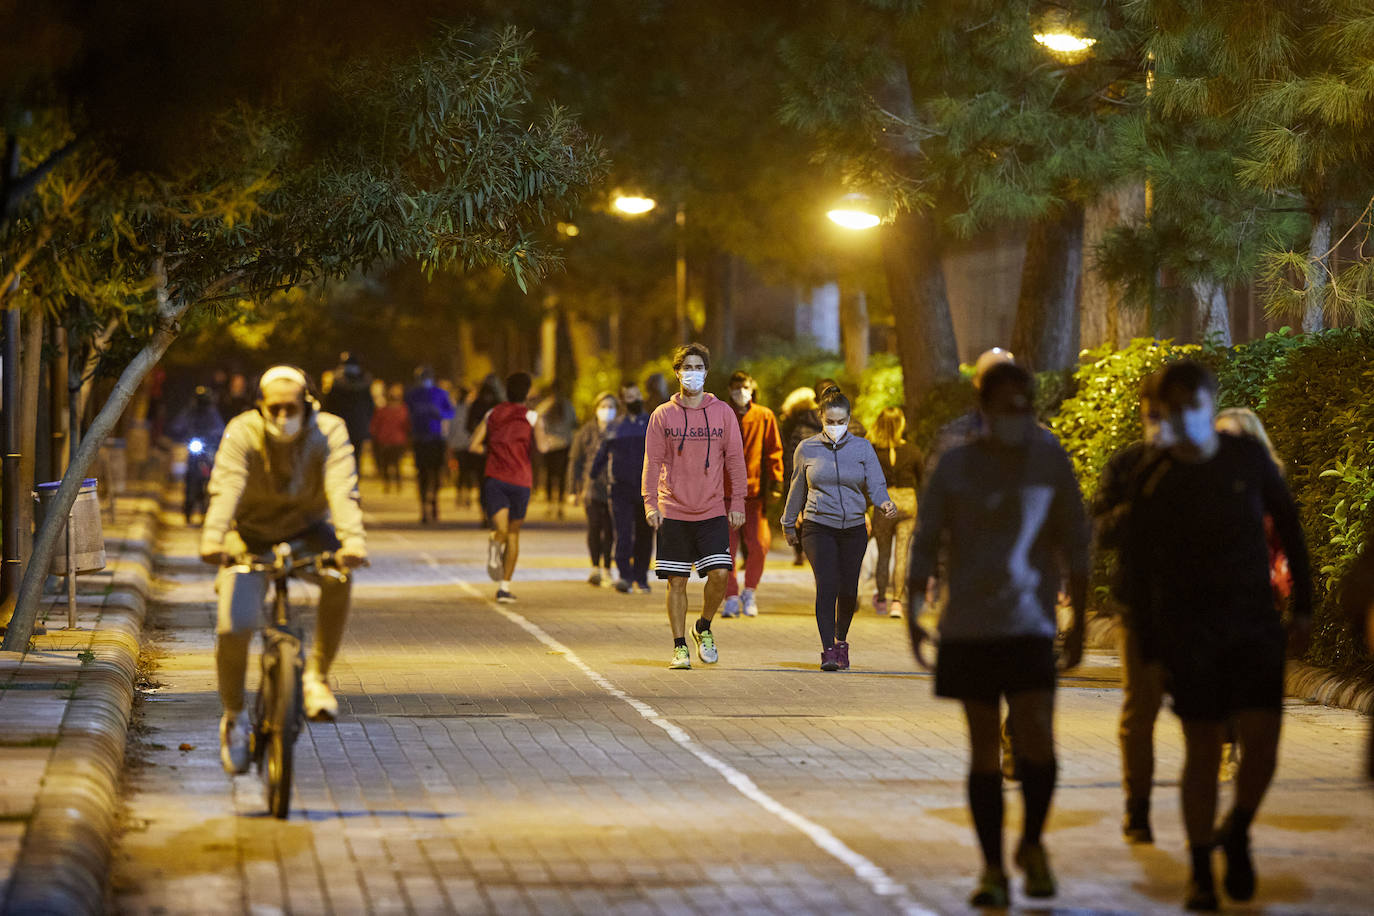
{"x":88,"y":534}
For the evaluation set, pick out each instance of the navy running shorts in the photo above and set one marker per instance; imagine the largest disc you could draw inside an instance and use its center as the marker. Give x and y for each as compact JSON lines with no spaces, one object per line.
{"x":498,"y":495}
{"x":704,"y":545}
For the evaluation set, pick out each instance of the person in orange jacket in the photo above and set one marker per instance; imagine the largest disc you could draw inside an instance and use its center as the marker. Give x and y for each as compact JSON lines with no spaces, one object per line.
{"x":763,"y":462}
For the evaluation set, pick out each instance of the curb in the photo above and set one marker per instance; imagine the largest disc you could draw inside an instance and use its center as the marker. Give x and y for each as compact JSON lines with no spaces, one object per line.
{"x":1302,"y":681}
{"x":63,"y":864}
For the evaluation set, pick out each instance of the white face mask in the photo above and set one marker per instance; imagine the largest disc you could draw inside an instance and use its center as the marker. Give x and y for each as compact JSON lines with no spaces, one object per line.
{"x":605,"y":414}
{"x":289,"y":429}
{"x":1010,"y":429}
{"x":836,"y":432}
{"x":693,"y":380}
{"x":1195,"y":426}
{"x":741,"y":396}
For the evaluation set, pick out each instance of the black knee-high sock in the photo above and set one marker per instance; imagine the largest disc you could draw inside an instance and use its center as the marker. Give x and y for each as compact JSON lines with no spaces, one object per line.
{"x":985,"y":801}
{"x":1037,"y":787}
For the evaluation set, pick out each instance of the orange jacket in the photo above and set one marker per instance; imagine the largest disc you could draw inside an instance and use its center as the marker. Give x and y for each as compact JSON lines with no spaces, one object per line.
{"x":762,"y":450}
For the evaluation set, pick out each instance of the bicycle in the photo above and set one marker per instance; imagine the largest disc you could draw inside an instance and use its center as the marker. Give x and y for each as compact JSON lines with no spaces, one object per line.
{"x":279,"y":711}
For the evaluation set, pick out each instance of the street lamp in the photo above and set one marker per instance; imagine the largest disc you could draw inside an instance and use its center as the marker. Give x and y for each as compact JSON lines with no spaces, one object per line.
{"x":636,"y":205}
{"x":632,"y":205}
{"x":1064,"y":42}
{"x":854,"y":212}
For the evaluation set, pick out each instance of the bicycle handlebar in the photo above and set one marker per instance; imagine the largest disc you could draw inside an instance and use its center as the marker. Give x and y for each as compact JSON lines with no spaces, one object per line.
{"x":284,"y":564}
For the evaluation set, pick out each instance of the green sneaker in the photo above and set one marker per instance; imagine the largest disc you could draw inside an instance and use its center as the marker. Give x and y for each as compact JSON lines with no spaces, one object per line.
{"x":992,"y":891}
{"x":1032,"y":860}
{"x":682,"y":659}
{"x":706,"y":646}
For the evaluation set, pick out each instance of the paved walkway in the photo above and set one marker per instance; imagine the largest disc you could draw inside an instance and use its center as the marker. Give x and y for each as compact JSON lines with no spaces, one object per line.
{"x":541,"y":758}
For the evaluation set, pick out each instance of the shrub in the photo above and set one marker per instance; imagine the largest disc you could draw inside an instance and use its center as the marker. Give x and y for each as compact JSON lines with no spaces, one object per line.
{"x":1103,"y":414}
{"x":880,"y":386}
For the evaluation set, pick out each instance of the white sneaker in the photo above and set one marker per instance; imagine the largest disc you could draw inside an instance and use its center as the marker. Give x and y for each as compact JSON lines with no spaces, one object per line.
{"x":235,"y":733}
{"x":320,"y":705}
{"x":496,"y":560}
{"x":731,"y":607}
{"x":750,"y":604}
{"x":894,"y":609}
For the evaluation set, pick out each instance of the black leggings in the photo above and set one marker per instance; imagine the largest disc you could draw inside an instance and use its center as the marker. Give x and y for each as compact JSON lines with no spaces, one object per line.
{"x":836,"y":555}
{"x":429,"y":465}
{"x":600,"y":532}
{"x":555,"y":473}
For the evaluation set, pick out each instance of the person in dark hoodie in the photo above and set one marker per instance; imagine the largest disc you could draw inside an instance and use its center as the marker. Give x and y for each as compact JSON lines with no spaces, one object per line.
{"x":350,"y":399}
{"x":621,"y":457}
{"x":694,"y":485}
{"x":594,"y":490}
{"x":835,"y":475}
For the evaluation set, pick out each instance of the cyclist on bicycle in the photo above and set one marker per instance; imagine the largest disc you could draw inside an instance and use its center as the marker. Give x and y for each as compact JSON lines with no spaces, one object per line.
{"x":284,"y":472}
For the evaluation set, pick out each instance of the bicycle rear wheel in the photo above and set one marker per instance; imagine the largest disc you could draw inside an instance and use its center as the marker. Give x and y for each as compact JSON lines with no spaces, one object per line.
{"x":284,"y":711}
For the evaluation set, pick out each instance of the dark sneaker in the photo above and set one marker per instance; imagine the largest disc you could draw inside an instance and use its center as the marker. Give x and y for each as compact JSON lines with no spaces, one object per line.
{"x":595,"y":579}
{"x":621,"y":586}
{"x":1135,"y":826}
{"x":842,"y":655}
{"x":830,"y":660}
{"x":1239,"y":880}
{"x":993,"y":890}
{"x":643,"y":588}
{"x":1032,"y":860}
{"x":504,"y":597}
{"x":1202,"y":896}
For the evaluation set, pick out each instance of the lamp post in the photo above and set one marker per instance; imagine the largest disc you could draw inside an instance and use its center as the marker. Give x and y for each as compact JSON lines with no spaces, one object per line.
{"x":855,"y":213}
{"x":634,"y":205}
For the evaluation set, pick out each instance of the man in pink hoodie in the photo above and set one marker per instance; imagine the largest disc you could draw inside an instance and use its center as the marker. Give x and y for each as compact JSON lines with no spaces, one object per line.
{"x":694,"y":486}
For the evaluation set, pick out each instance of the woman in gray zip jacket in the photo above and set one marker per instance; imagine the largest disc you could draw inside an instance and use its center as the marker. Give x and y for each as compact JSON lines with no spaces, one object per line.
{"x":835,"y":475}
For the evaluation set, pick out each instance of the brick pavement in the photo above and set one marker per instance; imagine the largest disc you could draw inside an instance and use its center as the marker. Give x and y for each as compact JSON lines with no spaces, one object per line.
{"x":476,"y":769}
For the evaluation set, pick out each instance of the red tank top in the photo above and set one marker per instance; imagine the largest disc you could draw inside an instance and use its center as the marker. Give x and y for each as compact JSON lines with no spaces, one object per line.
{"x":510,"y":437}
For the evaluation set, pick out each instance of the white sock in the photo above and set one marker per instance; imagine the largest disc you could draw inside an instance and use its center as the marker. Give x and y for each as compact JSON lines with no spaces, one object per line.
{"x":505,"y":585}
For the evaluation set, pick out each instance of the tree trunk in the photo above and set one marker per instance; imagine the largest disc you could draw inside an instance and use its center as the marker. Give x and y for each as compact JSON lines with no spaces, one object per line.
{"x":1045,"y":336}
{"x":31,"y":373}
{"x":1103,"y":317}
{"x":916,"y":284}
{"x":169,"y":314}
{"x":1211,"y":312}
{"x":1318,"y":267}
{"x":57,"y":403}
{"x":92,"y":363}
{"x":854,"y":331}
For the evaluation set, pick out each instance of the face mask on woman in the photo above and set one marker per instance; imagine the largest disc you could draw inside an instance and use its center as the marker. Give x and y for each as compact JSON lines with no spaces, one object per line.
{"x":836,"y":431}
{"x":605,"y":414}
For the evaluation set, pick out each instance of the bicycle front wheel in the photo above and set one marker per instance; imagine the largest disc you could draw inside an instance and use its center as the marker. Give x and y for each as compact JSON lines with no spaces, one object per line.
{"x":278,"y":756}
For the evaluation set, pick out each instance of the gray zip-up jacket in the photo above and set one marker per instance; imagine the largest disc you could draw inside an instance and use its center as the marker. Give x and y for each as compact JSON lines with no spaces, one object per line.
{"x":833,"y":484}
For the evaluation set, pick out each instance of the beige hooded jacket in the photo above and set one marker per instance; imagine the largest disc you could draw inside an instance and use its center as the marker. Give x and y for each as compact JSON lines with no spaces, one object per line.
{"x":268,"y":491}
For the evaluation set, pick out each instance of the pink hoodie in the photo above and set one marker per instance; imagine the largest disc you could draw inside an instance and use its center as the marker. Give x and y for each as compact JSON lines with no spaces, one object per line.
{"x":694,"y":461}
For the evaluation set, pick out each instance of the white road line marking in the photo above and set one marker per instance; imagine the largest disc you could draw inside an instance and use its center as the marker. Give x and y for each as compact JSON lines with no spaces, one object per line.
{"x":864,"y":868}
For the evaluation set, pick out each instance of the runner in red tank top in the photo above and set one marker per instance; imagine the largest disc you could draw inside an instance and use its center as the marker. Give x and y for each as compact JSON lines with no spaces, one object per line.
{"x":506,"y":435}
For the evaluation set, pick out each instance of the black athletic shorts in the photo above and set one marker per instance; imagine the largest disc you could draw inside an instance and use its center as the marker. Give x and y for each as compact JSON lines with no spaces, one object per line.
{"x":1212,"y":676}
{"x":988,"y":669}
{"x":684,"y":545}
{"x":498,"y":495}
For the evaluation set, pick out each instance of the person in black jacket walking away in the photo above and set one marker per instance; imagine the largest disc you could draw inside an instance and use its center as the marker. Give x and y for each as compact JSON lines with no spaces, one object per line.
{"x":1199,"y":573}
{"x":835,"y":475}
{"x":620,"y":458}
{"x":350,"y":398}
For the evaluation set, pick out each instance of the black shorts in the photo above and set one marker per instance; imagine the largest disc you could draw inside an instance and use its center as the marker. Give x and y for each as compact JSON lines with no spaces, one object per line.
{"x":498,"y":495}
{"x":1210,"y":677}
{"x":684,"y":545}
{"x":988,"y":669}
